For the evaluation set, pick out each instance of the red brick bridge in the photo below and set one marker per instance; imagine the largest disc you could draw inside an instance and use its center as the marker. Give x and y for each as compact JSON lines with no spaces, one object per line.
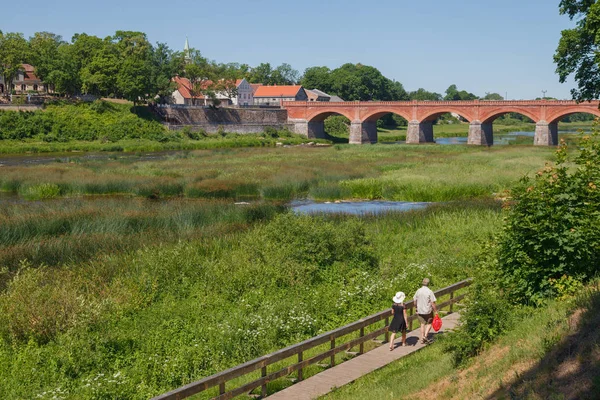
{"x":308,"y":117}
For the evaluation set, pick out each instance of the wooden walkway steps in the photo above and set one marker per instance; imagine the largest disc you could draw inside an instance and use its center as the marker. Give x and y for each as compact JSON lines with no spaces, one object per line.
{"x":293,"y":360}
{"x":347,"y":372}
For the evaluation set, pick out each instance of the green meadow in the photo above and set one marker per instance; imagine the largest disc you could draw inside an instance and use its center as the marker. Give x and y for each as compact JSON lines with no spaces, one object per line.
{"x":125,"y":278}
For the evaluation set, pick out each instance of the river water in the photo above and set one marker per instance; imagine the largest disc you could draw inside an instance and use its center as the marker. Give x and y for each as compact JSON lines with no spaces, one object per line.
{"x":354,"y":207}
{"x":75,"y":157}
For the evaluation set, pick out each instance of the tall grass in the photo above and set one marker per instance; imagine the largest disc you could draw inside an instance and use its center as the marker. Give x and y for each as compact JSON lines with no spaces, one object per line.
{"x":164,"y":316}
{"x":69,"y":231}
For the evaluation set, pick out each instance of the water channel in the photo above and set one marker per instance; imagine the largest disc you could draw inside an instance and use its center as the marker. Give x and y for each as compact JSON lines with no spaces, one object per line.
{"x":68,"y":157}
{"x":354,"y":207}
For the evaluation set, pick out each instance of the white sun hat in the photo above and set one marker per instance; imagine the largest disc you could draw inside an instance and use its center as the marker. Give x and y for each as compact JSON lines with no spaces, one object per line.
{"x":399,"y":297}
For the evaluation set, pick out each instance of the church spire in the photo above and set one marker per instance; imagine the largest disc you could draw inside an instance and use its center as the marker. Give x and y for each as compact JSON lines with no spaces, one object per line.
{"x":186,"y":50}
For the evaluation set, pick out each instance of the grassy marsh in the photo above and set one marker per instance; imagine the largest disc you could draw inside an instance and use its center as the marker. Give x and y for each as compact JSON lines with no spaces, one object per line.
{"x":129,"y":278}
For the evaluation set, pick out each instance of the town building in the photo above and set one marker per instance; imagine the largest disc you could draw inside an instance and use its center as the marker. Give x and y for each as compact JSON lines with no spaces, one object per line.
{"x":245,"y":93}
{"x":316,"y":95}
{"x":183,"y":93}
{"x":319,"y":95}
{"x":26,"y":81}
{"x":274,"y":95}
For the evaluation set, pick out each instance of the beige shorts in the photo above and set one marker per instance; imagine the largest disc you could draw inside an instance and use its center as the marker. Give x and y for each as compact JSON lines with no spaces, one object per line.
{"x":425,"y":319}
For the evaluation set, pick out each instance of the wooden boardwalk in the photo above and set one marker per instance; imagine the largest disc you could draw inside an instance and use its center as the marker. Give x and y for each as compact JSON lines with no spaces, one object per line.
{"x":344,"y":373}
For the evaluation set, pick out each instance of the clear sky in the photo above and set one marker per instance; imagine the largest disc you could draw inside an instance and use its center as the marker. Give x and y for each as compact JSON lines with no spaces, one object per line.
{"x":480,"y":45}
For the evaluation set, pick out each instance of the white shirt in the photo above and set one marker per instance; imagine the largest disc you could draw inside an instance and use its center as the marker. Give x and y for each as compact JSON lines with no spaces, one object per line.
{"x":424,"y":297}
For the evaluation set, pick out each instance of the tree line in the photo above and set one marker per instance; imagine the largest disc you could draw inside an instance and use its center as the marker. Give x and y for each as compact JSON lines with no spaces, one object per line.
{"x":126,"y":65}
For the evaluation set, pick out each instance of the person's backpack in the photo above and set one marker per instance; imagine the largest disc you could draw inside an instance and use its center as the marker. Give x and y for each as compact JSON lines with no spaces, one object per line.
{"x":437,"y":323}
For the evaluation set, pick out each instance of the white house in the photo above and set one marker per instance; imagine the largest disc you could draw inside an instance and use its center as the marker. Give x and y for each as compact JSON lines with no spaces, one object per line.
{"x":245,"y":93}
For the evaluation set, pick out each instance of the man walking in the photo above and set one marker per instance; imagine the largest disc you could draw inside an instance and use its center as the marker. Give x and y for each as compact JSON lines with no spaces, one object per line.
{"x":425,"y":306}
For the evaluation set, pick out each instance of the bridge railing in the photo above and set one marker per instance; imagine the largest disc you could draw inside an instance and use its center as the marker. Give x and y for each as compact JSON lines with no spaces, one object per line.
{"x":222,"y":378}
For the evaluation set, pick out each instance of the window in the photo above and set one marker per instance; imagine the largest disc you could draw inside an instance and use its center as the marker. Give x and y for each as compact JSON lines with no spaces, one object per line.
{"x":23,"y":87}
{"x":35,"y":87}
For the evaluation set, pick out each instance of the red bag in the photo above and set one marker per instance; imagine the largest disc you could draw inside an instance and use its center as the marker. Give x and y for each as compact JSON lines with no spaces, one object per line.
{"x":437,"y":323}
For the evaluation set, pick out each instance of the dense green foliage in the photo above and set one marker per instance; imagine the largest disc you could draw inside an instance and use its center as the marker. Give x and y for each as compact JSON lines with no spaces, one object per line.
{"x":487,"y":315}
{"x":552,"y":231}
{"x":577,"y":50}
{"x":107,"y":122}
{"x":354,"y":82}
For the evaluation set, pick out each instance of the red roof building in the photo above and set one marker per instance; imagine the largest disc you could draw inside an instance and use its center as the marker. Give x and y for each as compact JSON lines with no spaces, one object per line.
{"x":274,"y":95}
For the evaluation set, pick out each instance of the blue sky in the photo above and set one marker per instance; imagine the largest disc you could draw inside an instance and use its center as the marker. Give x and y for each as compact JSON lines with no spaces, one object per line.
{"x":481,"y":46}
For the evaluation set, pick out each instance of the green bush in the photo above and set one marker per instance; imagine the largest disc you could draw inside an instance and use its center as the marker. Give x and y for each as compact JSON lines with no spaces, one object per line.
{"x":82,"y":121}
{"x":552,"y":228}
{"x":487,"y":315}
{"x":337,"y":125}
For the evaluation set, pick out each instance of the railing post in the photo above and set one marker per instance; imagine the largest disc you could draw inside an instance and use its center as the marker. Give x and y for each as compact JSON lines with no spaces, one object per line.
{"x":451,"y":304}
{"x":387,"y":333}
{"x":332,"y":360}
{"x":362,"y":344}
{"x":300,"y":377}
{"x":263,"y":389}
{"x":222,"y":388}
{"x":410,"y":324}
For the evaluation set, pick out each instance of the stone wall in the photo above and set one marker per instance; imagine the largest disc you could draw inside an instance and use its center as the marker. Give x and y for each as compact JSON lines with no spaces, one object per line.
{"x":222,"y":116}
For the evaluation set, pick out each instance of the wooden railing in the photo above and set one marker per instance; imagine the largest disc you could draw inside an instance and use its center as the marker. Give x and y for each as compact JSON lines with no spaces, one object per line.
{"x":221,"y":378}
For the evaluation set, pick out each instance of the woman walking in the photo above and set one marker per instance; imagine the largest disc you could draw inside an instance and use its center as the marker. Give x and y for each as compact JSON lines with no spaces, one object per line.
{"x":399,"y":321}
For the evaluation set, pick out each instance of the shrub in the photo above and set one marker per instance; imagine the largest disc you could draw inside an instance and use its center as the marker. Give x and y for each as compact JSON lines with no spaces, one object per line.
{"x":337,"y":125}
{"x":487,"y":315}
{"x":552,"y":229}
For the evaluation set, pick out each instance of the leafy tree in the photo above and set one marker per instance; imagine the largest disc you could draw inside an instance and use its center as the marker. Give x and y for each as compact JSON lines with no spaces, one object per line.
{"x":452,"y":93}
{"x":317,"y":78}
{"x":422,"y":94}
{"x":166,"y":64}
{"x":134,"y":76}
{"x":261,"y":74}
{"x":577,"y":51}
{"x":99,"y":76}
{"x":284,"y":75}
{"x":13,"y":52}
{"x":363,"y":82}
{"x":551,"y":235}
{"x":45,"y":55}
{"x":67,"y":78}
{"x":227,"y":76}
{"x":492,"y":96}
{"x":202,"y":75}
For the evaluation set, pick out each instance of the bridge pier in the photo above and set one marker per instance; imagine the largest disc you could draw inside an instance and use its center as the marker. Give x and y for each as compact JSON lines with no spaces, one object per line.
{"x":312,"y":129}
{"x":419,"y":132}
{"x":481,"y":134}
{"x":363,"y":132}
{"x":546,"y":134}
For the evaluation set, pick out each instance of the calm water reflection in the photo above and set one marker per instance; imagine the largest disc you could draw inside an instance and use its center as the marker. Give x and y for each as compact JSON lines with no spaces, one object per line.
{"x":354,"y":207}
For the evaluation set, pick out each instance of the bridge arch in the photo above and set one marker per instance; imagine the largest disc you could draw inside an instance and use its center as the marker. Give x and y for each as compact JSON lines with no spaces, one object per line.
{"x":432,"y":115}
{"x":321,"y":115}
{"x":490,"y":116}
{"x":374,"y":115}
{"x":558,"y":115}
